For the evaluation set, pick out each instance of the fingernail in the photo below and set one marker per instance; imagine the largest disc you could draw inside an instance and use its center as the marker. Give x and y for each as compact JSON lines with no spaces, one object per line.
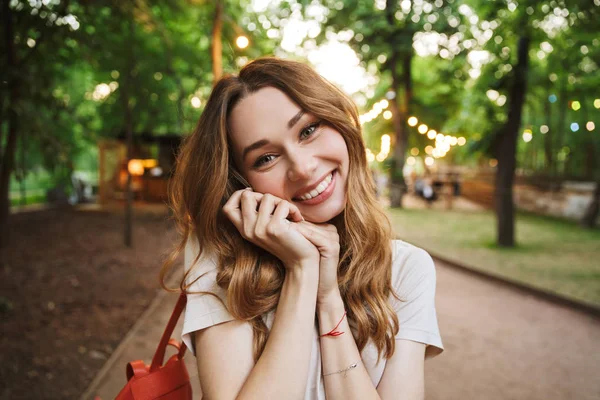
{"x":248,"y":188}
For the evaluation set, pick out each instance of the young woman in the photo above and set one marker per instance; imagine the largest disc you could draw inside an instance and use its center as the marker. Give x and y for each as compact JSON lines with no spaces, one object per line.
{"x":295,"y":286}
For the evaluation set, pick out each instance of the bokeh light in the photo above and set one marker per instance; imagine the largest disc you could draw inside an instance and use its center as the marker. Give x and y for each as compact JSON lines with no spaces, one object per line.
{"x":242,"y":42}
{"x":196,"y":103}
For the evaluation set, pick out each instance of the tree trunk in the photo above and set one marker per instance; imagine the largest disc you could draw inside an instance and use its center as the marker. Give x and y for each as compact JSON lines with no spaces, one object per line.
{"x":591,"y":214}
{"x":399,"y":107}
{"x":563,"y":104}
{"x":22,"y":174}
{"x":590,"y":164}
{"x":507,"y":148}
{"x":548,"y":153}
{"x":8,"y":155}
{"x":216,"y":47}
{"x":129,"y":138}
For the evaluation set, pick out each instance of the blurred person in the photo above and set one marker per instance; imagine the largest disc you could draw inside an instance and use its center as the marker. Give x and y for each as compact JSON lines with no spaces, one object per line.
{"x":295,"y":287}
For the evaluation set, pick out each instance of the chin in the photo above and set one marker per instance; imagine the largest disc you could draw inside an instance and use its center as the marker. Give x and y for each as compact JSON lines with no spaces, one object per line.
{"x":325,"y":214}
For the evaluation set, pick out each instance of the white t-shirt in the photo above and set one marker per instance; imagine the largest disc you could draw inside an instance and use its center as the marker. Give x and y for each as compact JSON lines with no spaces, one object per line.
{"x":413,"y":279}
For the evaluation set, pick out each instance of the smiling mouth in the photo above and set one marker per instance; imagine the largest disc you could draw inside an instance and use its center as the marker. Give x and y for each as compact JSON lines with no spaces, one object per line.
{"x":320,"y":193}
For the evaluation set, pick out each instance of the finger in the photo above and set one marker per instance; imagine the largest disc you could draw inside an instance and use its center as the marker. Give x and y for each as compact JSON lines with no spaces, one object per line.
{"x":248,"y":205}
{"x":294,"y":212}
{"x":279,"y":220}
{"x":232,"y":208}
{"x":281,"y":211}
{"x":265,"y":209}
{"x":313,"y":235}
{"x":321,"y":228}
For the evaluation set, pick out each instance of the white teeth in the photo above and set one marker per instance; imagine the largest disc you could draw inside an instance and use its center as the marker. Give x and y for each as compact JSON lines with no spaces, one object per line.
{"x":319,"y":189}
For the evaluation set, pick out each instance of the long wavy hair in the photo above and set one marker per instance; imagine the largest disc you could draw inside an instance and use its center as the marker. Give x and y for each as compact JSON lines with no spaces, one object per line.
{"x":205,"y":178}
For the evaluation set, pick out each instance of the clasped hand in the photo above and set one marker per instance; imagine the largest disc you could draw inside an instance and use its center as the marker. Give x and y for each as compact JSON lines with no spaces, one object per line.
{"x":277,"y":226}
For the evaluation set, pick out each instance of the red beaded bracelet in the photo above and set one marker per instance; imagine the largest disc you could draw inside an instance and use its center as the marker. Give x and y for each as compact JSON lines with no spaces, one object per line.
{"x":335,"y":332}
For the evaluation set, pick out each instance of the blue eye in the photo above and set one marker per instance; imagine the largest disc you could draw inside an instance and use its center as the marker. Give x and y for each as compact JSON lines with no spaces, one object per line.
{"x":309,"y":130}
{"x":263,"y":160}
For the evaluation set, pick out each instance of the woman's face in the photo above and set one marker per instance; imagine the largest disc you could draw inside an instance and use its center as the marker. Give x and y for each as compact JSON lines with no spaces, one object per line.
{"x":290,"y":154}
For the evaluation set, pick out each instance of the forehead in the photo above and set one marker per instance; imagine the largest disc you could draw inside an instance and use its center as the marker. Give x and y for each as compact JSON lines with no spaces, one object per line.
{"x":261,"y":115}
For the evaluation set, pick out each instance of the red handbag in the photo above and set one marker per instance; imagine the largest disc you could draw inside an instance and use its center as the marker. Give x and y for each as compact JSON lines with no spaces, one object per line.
{"x":165,"y":382}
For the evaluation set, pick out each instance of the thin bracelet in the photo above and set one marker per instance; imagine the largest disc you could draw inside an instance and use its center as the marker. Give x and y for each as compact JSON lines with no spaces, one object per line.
{"x":334,"y":331}
{"x":345,"y":370}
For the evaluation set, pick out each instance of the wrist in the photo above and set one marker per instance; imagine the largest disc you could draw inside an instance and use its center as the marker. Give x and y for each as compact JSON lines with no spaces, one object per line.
{"x":331,"y":301}
{"x":302,"y":273}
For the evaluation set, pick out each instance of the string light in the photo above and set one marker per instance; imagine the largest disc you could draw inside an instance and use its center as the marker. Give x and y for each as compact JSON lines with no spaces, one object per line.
{"x":370,"y":155}
{"x":443,"y":143}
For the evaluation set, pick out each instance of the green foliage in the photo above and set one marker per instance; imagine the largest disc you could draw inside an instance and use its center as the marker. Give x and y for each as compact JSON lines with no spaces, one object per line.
{"x":564,"y":58}
{"x":68,"y":52}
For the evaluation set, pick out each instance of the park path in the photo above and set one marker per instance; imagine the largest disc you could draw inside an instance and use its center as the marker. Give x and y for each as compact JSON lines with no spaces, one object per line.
{"x":500,"y":344}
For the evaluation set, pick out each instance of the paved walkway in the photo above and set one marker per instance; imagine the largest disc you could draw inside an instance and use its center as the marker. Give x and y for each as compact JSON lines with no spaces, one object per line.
{"x":505,"y":344}
{"x":500,"y":344}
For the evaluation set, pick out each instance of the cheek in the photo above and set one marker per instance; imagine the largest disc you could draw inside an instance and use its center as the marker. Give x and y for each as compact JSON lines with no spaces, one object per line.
{"x":270,"y":182}
{"x":337,"y":148}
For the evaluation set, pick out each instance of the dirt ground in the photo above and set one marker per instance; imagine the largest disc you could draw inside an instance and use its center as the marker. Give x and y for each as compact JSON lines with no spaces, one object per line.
{"x":70,"y":291}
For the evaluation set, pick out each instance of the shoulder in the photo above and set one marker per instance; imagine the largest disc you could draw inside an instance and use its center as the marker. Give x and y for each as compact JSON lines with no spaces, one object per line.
{"x":406,"y":256}
{"x":201,"y":271}
{"x":411,"y":267}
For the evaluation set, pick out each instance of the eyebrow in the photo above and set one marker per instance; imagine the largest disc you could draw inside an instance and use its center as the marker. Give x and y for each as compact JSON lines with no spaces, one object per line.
{"x":264,"y":142}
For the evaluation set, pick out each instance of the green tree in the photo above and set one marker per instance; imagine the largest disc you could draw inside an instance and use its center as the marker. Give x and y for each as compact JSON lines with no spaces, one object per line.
{"x":522,"y":29}
{"x":383,"y":34}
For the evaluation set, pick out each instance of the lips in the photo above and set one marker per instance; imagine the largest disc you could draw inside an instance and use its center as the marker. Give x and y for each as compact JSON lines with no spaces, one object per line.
{"x":323,"y":190}
{"x":321,"y":187}
{"x":313,"y":190}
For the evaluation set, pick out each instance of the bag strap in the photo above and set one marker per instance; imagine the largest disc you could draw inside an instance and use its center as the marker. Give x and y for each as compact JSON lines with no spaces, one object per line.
{"x":159,"y":356}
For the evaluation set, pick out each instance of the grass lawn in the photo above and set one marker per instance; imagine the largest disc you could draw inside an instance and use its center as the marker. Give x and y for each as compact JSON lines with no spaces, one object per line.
{"x":551,"y":254}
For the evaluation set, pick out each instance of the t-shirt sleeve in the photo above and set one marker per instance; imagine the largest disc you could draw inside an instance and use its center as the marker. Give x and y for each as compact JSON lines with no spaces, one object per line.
{"x":414,"y":280}
{"x":202,"y":310}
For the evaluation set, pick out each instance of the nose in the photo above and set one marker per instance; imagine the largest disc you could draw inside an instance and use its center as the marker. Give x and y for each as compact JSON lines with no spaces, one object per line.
{"x":302,"y":165}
